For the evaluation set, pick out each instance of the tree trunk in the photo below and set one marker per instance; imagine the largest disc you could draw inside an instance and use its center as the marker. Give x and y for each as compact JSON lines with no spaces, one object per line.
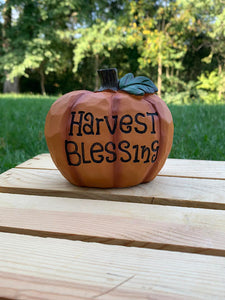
{"x":159,"y":74}
{"x":8,"y":86}
{"x":7,"y":19}
{"x":97,"y":83}
{"x":167,"y":72}
{"x":42,"y":81}
{"x":11,"y":86}
{"x":220,"y":88}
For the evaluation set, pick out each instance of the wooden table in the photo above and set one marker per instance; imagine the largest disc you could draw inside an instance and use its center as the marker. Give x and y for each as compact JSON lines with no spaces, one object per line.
{"x":161,"y":240}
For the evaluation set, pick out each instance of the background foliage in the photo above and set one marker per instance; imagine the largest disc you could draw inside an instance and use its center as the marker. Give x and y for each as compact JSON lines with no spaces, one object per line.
{"x":54,"y":46}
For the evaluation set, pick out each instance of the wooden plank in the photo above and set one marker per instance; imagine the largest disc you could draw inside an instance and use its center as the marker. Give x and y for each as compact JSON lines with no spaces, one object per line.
{"x":41,"y":161}
{"x":34,"y":268}
{"x":173,"y":167}
{"x":150,"y":226}
{"x":191,"y":192}
{"x":194,"y":168}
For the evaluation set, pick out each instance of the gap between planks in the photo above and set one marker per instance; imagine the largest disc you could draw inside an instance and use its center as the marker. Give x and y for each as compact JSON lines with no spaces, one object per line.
{"x":128,"y":224}
{"x":118,"y":242}
{"x":174,"y":191}
{"x":172,"y":168}
{"x":61,"y":269}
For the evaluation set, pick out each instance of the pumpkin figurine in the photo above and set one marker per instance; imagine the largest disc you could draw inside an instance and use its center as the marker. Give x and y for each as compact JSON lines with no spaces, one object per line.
{"x":119,"y":136}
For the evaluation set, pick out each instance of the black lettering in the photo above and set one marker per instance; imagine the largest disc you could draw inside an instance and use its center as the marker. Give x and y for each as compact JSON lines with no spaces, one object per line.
{"x":110,"y":152}
{"x":97,"y":148}
{"x":140,"y":123}
{"x":74,"y":152}
{"x":73,"y":122}
{"x":126,"y":146}
{"x":144,"y":149}
{"x":136,"y":154}
{"x":83,"y":154}
{"x":155,"y":149}
{"x":111,"y":130}
{"x":127,"y":124}
{"x":88,"y":128}
{"x":153,"y":120}
{"x":98,"y":121}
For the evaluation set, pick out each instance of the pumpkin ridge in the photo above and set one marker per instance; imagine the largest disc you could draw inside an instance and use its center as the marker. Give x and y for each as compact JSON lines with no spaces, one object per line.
{"x":151,"y":166}
{"x":67,"y":128}
{"x":163,"y":151}
{"x":159,"y":154}
{"x":64,"y":103}
{"x":114,"y":111}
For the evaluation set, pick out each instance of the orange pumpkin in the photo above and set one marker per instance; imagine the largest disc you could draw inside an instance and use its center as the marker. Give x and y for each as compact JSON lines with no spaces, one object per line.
{"x":119,"y":136}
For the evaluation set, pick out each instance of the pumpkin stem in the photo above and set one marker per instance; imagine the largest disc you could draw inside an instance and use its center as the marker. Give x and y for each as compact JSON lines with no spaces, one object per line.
{"x":109,"y":79}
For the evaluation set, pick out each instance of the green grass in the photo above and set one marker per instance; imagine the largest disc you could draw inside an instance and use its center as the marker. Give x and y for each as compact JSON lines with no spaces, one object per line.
{"x":199,"y":129}
{"x":22,"y":120}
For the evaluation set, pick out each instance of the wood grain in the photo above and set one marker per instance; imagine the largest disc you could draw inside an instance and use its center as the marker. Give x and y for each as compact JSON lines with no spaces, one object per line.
{"x":41,"y":161}
{"x":190,"y":192}
{"x":33,"y":267}
{"x":193,"y":168}
{"x":130,"y":224}
{"x":173,"y":167}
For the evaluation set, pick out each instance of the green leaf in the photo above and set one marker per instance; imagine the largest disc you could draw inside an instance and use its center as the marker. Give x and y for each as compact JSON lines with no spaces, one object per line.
{"x":139,"y":85}
{"x":138,"y":89}
{"x":126,"y":79}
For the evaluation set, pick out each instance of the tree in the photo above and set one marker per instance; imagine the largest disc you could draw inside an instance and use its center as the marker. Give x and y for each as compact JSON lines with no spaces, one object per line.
{"x":11,"y":84}
{"x":36,"y":42}
{"x":174,"y":42}
{"x":97,"y":41}
{"x":156,"y":27}
{"x":217,"y":36}
{"x":207,"y":42}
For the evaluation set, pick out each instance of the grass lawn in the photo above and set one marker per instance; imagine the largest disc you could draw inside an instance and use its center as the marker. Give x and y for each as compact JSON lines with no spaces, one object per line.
{"x":199,"y":130}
